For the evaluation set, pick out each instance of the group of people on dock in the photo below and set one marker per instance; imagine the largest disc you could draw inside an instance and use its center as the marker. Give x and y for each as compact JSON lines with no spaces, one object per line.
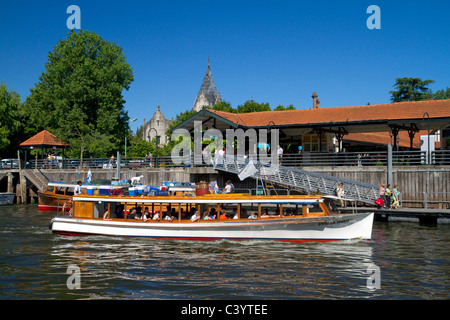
{"x":214,"y":187}
{"x":389,"y":196}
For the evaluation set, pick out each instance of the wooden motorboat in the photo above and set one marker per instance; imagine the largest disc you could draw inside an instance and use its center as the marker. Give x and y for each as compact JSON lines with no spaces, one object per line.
{"x":285,"y":218}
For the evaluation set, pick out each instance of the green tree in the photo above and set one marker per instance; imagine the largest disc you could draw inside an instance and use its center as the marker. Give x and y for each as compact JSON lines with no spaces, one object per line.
{"x":9,"y":121}
{"x":281,"y":107}
{"x":79,"y":95}
{"x":224,"y":106}
{"x":253,"y":106}
{"x":410,"y":89}
{"x":441,"y":94}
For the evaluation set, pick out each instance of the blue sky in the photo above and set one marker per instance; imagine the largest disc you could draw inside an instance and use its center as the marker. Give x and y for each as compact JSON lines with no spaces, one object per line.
{"x":278,"y":52}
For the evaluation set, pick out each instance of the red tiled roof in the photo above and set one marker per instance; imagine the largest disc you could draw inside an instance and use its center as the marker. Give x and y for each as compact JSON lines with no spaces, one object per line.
{"x":44,"y":138}
{"x":387,"y":111}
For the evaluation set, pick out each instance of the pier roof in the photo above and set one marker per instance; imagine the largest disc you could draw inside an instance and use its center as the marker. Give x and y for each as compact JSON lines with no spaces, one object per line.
{"x":412,"y":115}
{"x":43,"y":139}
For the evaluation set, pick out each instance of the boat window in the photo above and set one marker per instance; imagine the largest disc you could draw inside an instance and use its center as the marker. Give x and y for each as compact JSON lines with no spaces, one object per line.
{"x":59,"y":190}
{"x":314,"y":208}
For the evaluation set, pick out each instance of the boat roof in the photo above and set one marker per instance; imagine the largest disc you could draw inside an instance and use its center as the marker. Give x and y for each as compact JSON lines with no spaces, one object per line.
{"x":208,"y":198}
{"x":84,"y":186}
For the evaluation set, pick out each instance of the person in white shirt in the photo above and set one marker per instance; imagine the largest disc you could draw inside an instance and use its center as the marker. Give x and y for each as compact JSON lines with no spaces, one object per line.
{"x":195,"y":216}
{"x":77,"y":189}
{"x":227,"y":188}
{"x":279,"y":153}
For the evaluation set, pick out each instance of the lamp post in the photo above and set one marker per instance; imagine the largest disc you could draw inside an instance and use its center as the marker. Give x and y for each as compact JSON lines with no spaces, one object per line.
{"x":156,"y":135}
{"x":428,"y":159}
{"x":126,"y":138}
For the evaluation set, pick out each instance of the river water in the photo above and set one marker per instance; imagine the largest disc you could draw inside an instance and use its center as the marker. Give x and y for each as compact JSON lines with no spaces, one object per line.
{"x":404,"y":260}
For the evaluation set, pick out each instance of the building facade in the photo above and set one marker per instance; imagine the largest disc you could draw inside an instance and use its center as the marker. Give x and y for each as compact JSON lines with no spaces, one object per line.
{"x":157,"y":128}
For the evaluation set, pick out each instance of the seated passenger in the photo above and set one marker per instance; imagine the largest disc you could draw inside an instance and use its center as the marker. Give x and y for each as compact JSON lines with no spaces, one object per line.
{"x":208,"y":215}
{"x":265,"y":214}
{"x":227,"y":188}
{"x":195,"y":216}
{"x":156,"y":215}
{"x":212,"y":215}
{"x":67,"y":206}
{"x":146,"y":215}
{"x":223,"y":216}
{"x":252,"y":216}
{"x":119,"y":212}
{"x":106,"y":215}
{"x":168,"y":216}
{"x":133,"y":215}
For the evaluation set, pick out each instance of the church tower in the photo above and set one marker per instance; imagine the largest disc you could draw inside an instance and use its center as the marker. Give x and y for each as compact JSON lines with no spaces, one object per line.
{"x":208,"y":95}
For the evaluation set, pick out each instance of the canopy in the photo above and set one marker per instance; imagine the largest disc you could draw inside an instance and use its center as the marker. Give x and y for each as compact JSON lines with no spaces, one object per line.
{"x":43,"y":139}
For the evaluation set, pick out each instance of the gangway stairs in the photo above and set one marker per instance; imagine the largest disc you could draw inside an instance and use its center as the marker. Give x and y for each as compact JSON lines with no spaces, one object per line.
{"x":298,"y":179}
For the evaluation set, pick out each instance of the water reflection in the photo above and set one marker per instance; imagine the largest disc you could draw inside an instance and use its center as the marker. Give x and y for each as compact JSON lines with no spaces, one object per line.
{"x":413,"y":260}
{"x":217,"y":270}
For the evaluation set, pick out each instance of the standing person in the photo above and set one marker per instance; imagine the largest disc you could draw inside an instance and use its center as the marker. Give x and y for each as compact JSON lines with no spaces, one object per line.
{"x":387,"y":195}
{"x":149,"y":157}
{"x":212,"y":186}
{"x":77,"y":189}
{"x":340,"y":193}
{"x":111,"y":162}
{"x":395,"y":193}
{"x":221,"y":154}
{"x":279,"y":153}
{"x":381,"y":194}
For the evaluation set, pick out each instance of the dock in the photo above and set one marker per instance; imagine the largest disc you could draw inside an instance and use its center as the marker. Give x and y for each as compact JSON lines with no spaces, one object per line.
{"x":421,"y":215}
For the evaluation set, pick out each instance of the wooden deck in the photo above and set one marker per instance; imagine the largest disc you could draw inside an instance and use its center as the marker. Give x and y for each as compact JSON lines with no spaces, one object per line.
{"x":424,"y":216}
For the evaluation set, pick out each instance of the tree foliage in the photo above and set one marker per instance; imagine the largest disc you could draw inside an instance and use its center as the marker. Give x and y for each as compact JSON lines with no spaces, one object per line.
{"x":10,"y":125}
{"x":281,"y":107}
{"x":416,"y":89}
{"x":79,"y":95}
{"x":410,"y":89}
{"x":253,"y":106}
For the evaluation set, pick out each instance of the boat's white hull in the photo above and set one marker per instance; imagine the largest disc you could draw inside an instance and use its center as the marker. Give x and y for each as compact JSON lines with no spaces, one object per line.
{"x":328,"y":228}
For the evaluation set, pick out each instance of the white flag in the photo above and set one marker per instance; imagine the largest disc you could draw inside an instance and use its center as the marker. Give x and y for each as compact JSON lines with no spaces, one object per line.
{"x":89,"y":176}
{"x":249,"y":170}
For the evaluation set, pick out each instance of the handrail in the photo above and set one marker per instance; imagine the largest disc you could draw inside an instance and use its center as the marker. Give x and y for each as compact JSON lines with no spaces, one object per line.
{"x":299,"y":160}
{"x":303,"y":180}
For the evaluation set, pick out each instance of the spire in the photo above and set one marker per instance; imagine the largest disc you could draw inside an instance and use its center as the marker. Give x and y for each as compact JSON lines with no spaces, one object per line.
{"x":208,"y":93}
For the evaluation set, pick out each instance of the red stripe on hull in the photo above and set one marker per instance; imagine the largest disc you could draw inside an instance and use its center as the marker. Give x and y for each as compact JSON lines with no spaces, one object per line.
{"x":47,"y":208}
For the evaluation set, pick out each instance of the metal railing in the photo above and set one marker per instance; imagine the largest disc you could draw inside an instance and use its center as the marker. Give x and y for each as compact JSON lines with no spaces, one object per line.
{"x":298,"y":179}
{"x":399,"y":158}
